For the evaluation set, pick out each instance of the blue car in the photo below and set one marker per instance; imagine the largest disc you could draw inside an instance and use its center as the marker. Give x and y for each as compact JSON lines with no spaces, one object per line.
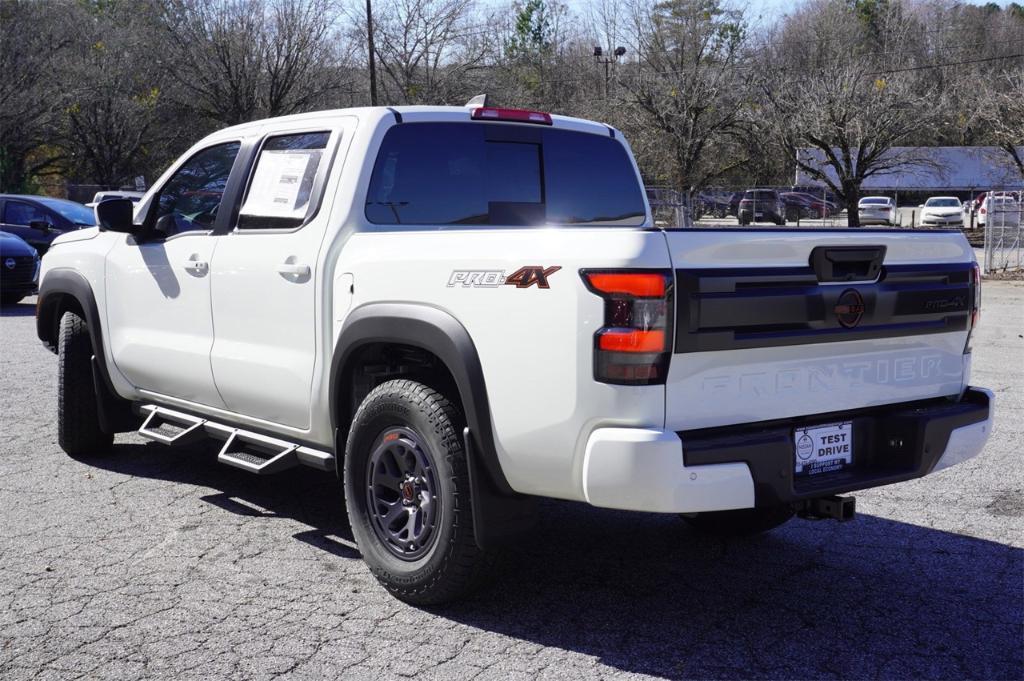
{"x":19,"y":269}
{"x":41,"y":219}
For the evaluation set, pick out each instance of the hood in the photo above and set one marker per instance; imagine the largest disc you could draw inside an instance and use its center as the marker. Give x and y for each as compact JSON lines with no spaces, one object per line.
{"x":11,"y":245}
{"x":941,"y":212}
{"x":76,"y":235}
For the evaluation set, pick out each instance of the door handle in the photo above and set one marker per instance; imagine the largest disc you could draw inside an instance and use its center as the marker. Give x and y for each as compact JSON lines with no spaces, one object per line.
{"x":294,"y":268}
{"x":196,"y":266}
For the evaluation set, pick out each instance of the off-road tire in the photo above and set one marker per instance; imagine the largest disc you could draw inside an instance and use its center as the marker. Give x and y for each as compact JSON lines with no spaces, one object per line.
{"x":453,"y":566}
{"x":78,"y":421}
{"x":741,"y":522}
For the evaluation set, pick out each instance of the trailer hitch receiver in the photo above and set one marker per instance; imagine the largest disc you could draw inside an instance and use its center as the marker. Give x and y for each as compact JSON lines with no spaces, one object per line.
{"x":834,"y":507}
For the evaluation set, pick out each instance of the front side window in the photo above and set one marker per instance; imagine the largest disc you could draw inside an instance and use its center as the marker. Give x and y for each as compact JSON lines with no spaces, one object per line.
{"x":281,"y":191}
{"x":498,"y":174}
{"x":190,"y":199}
{"x":23,"y":214}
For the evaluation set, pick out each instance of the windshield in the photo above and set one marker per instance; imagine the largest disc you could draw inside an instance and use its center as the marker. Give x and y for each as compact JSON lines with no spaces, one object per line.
{"x":874,"y":202}
{"x":942,"y":203}
{"x":75,"y":212}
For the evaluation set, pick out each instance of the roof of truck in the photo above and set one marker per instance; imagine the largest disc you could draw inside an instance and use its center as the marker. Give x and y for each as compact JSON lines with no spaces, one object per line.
{"x":412,"y":114}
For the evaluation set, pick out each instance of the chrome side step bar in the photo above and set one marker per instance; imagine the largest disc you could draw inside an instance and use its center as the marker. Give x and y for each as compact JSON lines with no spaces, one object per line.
{"x":252,"y":452}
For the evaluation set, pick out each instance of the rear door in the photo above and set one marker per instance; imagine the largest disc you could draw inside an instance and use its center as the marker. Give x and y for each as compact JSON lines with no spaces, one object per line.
{"x":776,"y":324}
{"x":265,"y":275}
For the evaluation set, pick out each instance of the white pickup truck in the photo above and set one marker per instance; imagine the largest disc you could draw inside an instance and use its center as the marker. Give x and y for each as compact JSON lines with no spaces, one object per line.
{"x":460,"y":310}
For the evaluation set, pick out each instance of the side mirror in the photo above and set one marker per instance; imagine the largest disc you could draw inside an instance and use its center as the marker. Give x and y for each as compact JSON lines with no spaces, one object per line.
{"x":40,"y":226}
{"x":116,"y":215}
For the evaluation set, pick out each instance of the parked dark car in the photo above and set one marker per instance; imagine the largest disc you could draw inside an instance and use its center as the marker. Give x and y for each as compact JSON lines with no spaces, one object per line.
{"x":821,"y":193}
{"x":762,"y":205}
{"x":41,"y":219}
{"x":825,"y":208}
{"x":19,"y":269}
{"x":798,"y":207}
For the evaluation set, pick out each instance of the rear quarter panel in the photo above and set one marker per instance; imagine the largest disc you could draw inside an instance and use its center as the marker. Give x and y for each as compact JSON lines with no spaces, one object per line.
{"x":535,"y":345}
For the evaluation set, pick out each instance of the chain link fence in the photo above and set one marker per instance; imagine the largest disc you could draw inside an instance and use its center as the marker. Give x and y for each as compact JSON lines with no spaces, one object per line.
{"x":1001,"y":214}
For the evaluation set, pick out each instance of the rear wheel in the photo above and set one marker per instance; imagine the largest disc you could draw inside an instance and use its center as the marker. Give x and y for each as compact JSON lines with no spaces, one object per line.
{"x":408,"y":497}
{"x":78,"y":421}
{"x":740,"y":522}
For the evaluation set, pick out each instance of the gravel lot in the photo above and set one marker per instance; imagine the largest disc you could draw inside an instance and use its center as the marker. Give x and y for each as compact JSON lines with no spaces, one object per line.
{"x":155,"y":563}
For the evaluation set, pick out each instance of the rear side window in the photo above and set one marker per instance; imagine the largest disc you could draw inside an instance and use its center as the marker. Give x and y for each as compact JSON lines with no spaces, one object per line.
{"x":500,"y":174}
{"x":282,"y":191}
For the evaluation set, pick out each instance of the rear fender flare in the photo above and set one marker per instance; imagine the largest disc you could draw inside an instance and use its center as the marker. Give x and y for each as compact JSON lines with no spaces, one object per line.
{"x":430,"y":329}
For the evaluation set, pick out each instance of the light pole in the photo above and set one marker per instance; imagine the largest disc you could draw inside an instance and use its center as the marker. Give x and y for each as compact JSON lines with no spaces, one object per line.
{"x":369,"y":48}
{"x":601,"y":59}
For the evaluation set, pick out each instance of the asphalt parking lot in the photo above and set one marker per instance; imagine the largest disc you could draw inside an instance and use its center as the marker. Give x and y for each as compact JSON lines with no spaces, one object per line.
{"x":157,"y":563}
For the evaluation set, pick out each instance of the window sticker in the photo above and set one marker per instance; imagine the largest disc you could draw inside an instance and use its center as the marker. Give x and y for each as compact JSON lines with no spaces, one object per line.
{"x":282,"y":184}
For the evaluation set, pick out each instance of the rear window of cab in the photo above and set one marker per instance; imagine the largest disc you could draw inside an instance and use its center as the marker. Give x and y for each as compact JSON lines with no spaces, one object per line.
{"x":501,"y":174}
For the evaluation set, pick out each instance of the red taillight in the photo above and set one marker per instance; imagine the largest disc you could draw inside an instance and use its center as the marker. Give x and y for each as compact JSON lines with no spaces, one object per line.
{"x":636,"y":284}
{"x":490,"y":113}
{"x":631,"y":340}
{"x":634,"y":345}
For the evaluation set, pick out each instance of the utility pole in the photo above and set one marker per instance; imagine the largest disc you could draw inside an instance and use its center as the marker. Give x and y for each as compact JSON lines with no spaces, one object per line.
{"x":369,"y":49}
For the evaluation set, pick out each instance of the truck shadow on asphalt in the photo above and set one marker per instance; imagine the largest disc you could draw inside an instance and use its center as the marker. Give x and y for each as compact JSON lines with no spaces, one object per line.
{"x":644,"y":594}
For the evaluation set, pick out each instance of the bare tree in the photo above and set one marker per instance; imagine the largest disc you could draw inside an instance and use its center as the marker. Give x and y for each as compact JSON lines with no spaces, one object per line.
{"x":113,"y":105}
{"x":34,"y":38}
{"x":826,"y":89}
{"x":690,"y":85}
{"x":426,"y":49}
{"x":238,"y":60}
{"x":1003,"y":108}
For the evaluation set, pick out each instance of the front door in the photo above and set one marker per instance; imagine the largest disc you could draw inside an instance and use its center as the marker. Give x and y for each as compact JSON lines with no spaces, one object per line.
{"x":158,"y":285}
{"x":264,"y":278}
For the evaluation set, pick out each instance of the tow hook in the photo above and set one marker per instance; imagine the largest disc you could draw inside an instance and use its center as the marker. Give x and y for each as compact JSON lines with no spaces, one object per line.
{"x":836,"y":508}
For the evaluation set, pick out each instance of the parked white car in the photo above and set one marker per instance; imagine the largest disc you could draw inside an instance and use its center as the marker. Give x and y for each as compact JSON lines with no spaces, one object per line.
{"x":942,"y":211}
{"x":1002,"y":210}
{"x":134,"y":197}
{"x":877,"y":210}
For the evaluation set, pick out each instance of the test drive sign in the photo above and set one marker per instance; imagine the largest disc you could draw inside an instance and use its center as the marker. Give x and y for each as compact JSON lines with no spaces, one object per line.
{"x":823,"y":449}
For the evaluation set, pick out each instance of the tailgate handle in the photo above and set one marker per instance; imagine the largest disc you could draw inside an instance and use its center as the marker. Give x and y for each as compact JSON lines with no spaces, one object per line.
{"x":847,"y":263}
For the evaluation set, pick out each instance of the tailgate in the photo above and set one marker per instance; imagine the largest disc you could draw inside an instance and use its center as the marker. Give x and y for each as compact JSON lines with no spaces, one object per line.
{"x":777,"y":324}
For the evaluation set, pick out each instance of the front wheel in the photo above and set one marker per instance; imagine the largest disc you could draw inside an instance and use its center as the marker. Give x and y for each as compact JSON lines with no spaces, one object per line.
{"x":408,"y":497}
{"x":740,"y":522}
{"x":78,"y":420}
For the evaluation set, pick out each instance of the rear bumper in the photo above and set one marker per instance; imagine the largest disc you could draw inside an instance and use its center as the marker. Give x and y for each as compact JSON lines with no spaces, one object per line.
{"x":745,"y":466}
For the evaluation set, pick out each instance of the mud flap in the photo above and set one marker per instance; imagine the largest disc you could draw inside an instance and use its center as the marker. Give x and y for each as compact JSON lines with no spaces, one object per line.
{"x":497,"y":518}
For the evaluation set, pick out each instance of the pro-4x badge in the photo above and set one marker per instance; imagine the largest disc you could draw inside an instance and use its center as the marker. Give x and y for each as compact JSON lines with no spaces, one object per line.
{"x":524,"y":277}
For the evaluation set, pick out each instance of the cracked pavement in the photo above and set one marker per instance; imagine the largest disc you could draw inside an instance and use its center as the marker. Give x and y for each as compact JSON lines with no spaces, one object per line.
{"x":158,"y":563}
